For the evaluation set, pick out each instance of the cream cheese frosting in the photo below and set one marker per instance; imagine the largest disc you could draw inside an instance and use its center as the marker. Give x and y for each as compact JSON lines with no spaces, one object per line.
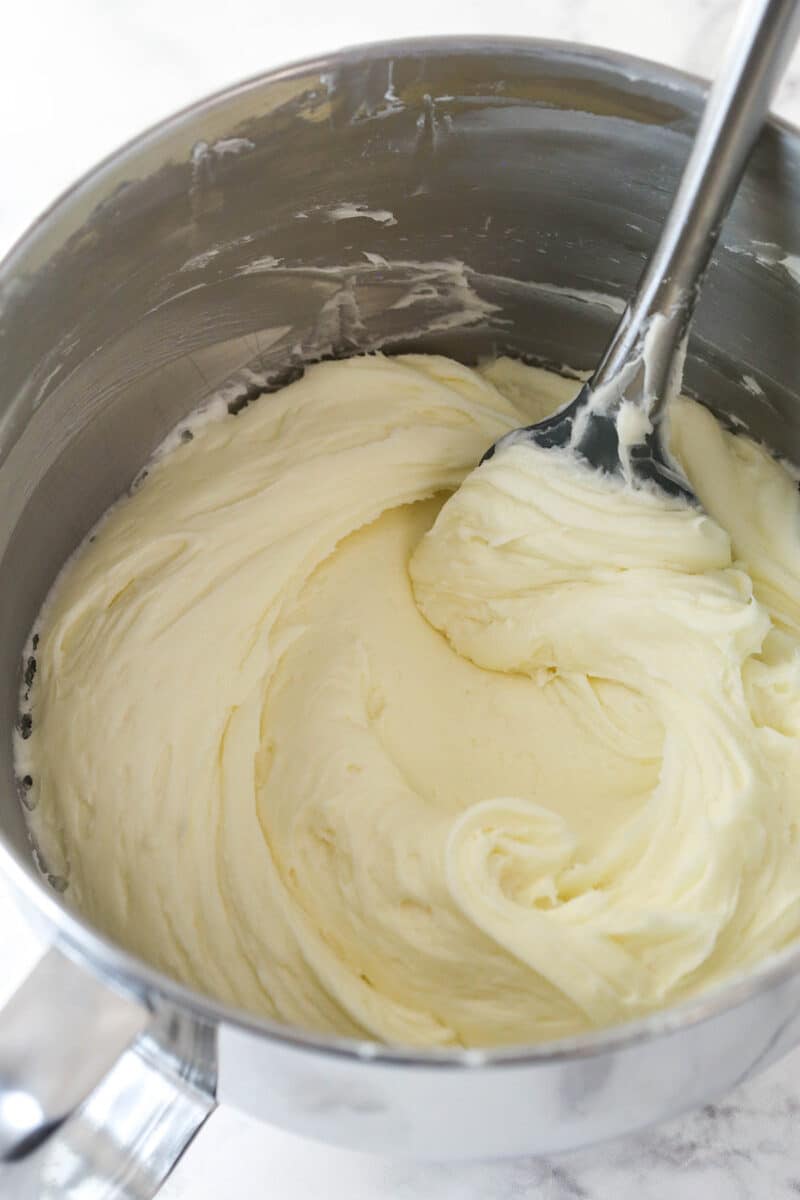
{"x":338,"y":729}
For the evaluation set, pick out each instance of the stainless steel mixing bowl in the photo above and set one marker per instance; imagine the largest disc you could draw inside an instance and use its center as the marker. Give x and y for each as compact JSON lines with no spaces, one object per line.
{"x":467,"y":196}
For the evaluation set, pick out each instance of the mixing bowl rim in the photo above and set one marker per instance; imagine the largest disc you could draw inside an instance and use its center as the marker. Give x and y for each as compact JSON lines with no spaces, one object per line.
{"x":124,"y":970}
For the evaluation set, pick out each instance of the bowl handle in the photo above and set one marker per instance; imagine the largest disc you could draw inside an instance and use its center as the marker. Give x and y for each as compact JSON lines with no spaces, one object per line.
{"x":98,"y":1096}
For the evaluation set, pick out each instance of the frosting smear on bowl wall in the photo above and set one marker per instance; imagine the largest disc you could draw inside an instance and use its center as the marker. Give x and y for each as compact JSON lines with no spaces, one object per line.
{"x":339,"y":729}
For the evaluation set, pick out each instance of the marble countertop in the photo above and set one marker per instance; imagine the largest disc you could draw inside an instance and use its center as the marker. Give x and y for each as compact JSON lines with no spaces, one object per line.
{"x":80,"y":78}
